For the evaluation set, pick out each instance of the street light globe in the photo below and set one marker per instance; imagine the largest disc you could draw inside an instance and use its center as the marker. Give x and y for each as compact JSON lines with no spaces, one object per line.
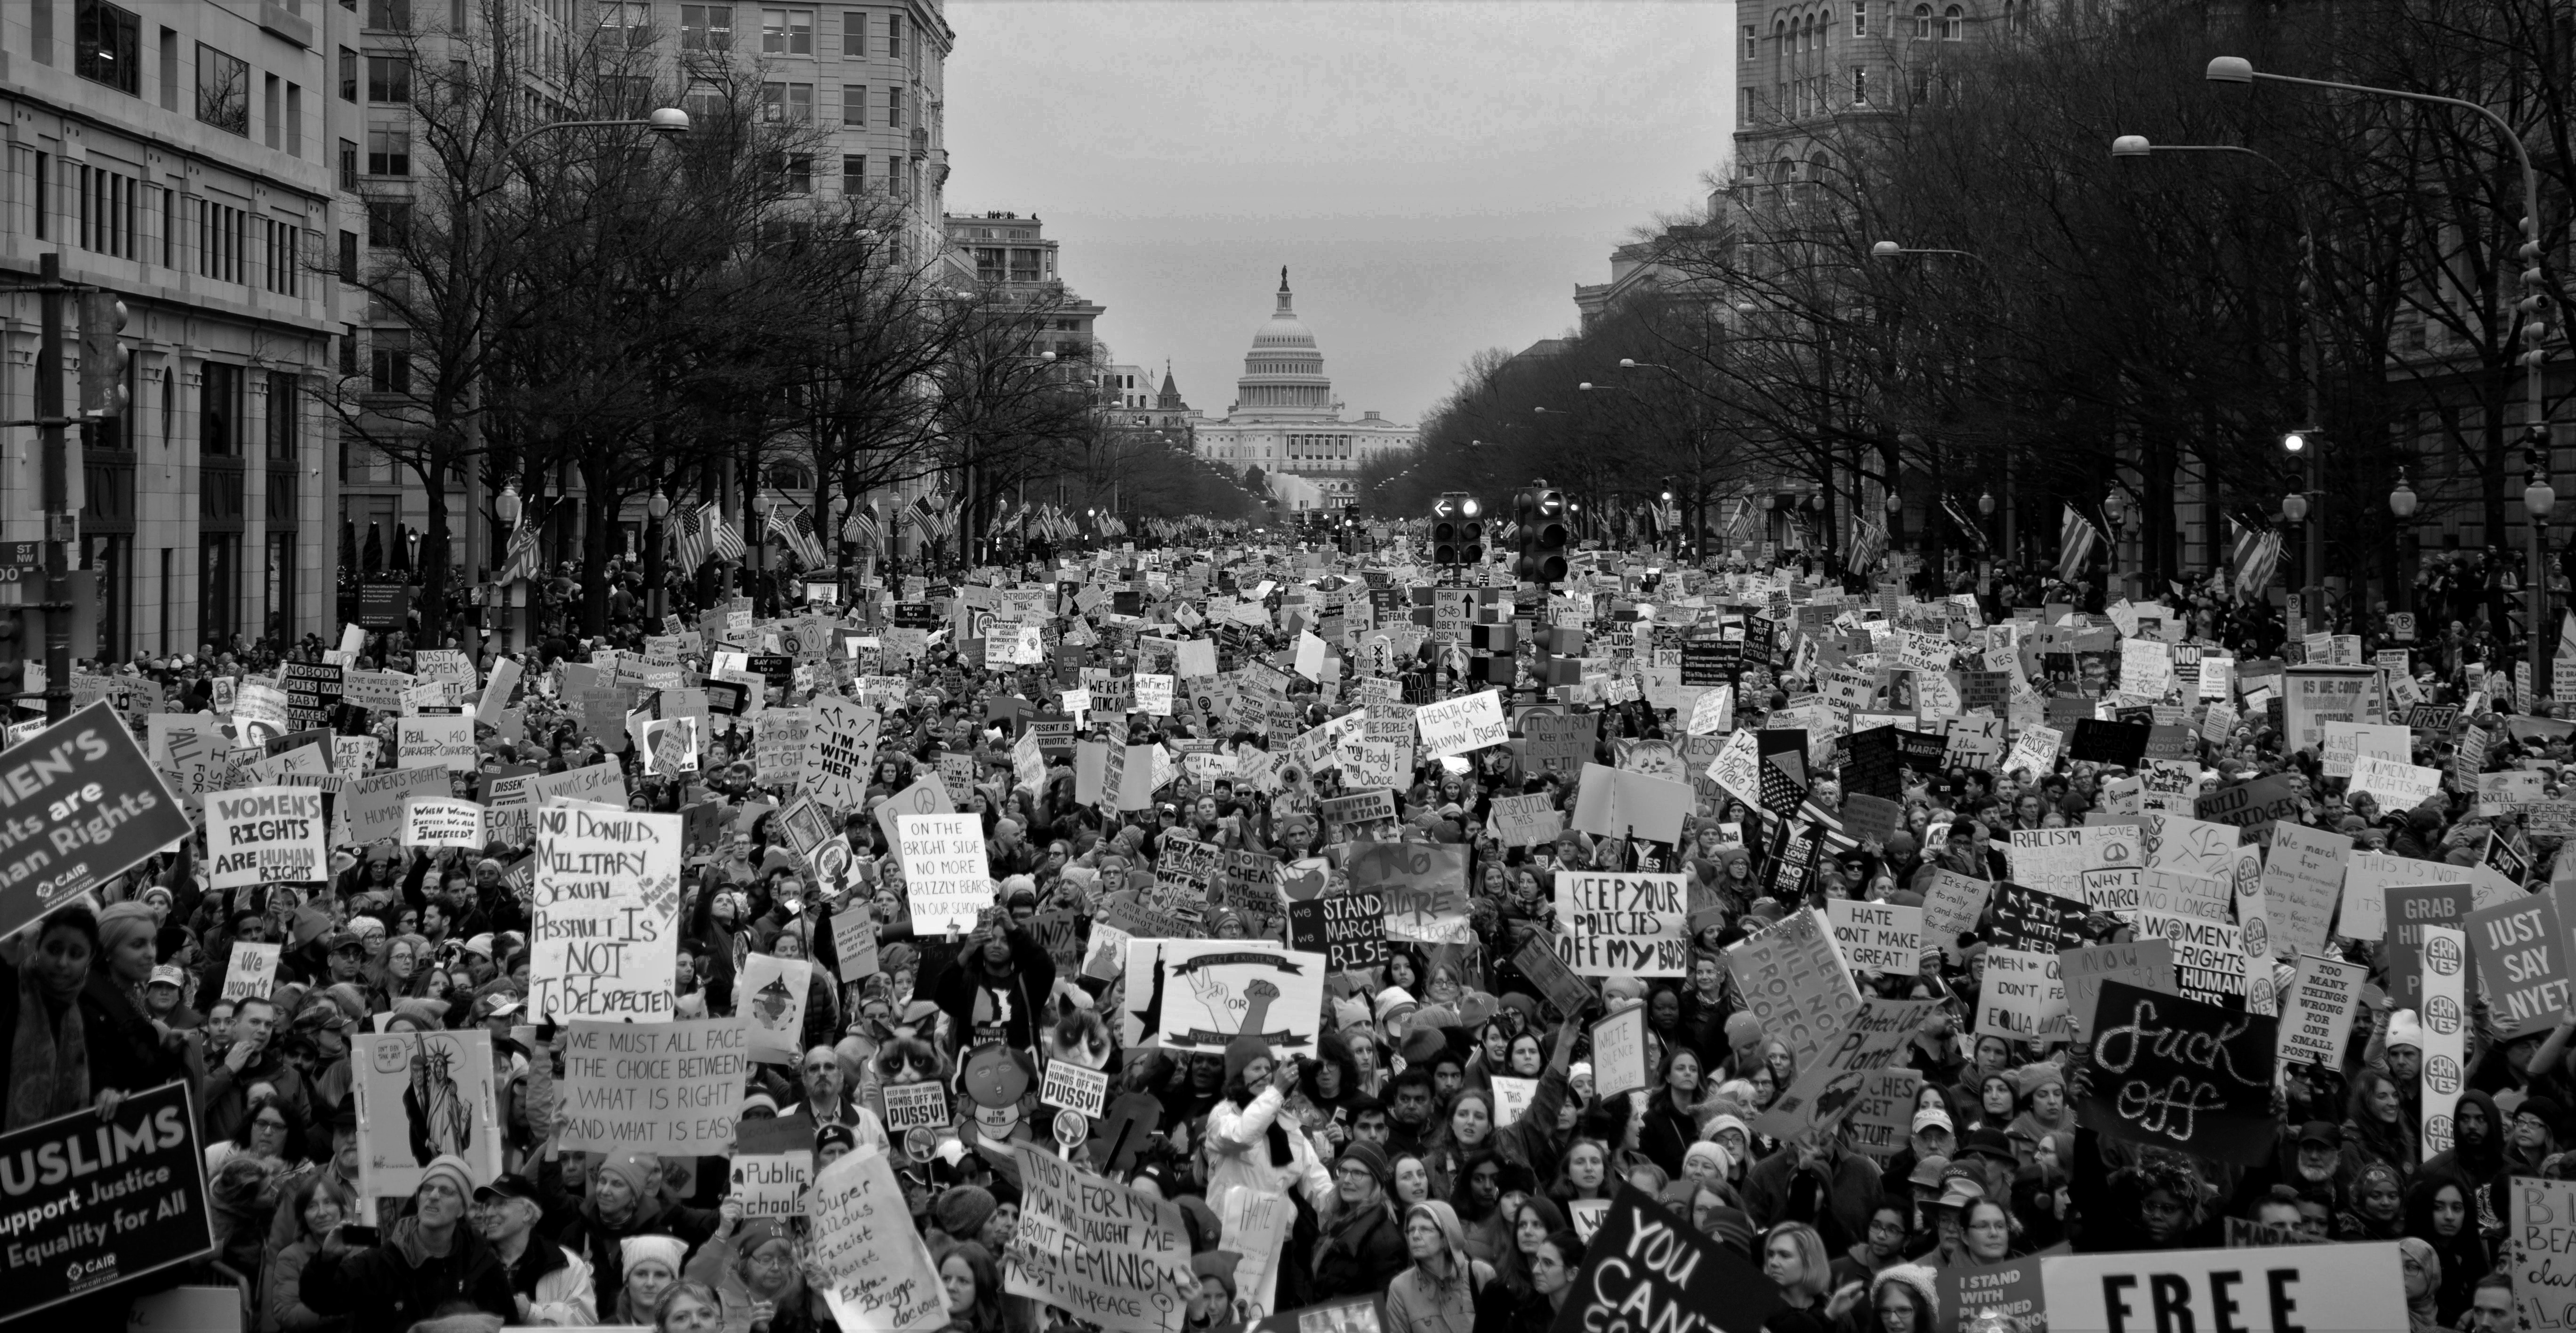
{"x":2131,"y":145}
{"x":658,"y":505}
{"x":2538,"y":499}
{"x":2401,"y":500}
{"x":1986,"y":504}
{"x":1627,"y":363}
{"x":1886,"y":250}
{"x":1585,"y":386}
{"x":1895,"y":502}
{"x":505,"y":506}
{"x":668,"y":120}
{"x":1046,"y":358}
{"x":2294,"y":507}
{"x":2230,"y":69}
{"x":2111,"y":506}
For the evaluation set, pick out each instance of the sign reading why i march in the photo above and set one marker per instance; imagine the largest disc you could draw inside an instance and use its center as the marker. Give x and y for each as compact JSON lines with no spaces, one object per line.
{"x":79,"y":805}
{"x":104,"y":1201}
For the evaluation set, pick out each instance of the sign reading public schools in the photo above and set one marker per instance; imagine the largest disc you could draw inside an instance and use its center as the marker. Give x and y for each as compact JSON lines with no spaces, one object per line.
{"x":104,"y":1201}
{"x":79,"y":805}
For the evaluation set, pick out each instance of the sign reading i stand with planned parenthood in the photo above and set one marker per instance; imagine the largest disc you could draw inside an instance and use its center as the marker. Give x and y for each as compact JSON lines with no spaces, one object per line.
{"x":79,"y":805}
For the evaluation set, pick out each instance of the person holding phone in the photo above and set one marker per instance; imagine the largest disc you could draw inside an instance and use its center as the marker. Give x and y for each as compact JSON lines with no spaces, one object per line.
{"x":422,"y":1263}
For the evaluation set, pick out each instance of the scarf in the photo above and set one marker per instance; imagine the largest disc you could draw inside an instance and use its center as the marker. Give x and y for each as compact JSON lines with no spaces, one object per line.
{"x":48,"y":1058}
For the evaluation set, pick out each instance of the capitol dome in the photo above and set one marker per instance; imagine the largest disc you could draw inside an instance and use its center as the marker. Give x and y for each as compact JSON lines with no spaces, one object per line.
{"x":1284,"y":372}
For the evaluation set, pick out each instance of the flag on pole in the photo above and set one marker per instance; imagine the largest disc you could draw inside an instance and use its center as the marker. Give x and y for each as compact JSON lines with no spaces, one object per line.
{"x":1869,"y":543}
{"x":2258,"y":557}
{"x":521,"y":561}
{"x":863,"y":527}
{"x":1959,"y":516}
{"x":2075,"y":538}
{"x":689,"y":539}
{"x":797,"y":530}
{"x":728,"y":543}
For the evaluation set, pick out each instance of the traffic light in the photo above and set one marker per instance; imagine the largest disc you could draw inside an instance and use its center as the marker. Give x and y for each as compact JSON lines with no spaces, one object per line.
{"x":1471,"y":542}
{"x":104,"y":355}
{"x":1444,"y":535}
{"x":1540,"y":511}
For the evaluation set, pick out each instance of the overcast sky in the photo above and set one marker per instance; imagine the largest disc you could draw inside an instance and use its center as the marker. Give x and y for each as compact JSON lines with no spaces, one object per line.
{"x":1436,"y":176}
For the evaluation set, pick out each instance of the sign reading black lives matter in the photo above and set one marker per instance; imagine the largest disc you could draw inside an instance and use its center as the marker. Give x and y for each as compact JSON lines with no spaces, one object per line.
{"x":79,"y":805}
{"x":1645,"y":1268}
{"x":106,"y":1200}
{"x":2177,"y":1073}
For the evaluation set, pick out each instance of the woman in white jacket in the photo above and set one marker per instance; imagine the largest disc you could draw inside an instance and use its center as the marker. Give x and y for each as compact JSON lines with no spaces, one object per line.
{"x":1247,"y":1141}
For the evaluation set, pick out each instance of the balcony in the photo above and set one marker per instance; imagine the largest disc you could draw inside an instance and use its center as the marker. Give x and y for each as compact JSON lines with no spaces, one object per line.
{"x":920,"y":142}
{"x":281,"y":20}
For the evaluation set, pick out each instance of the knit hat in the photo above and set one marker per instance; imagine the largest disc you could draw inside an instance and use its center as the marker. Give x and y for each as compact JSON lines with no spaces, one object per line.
{"x":1726,"y":1122}
{"x":2405,"y":1029}
{"x":1218,"y":1264}
{"x":1733,"y":1227}
{"x":1422,"y":1047}
{"x":831,"y":1134}
{"x":668,"y":1250}
{"x":1395,"y":999}
{"x":1742,"y":1029}
{"x":2042,"y":1075}
{"x":1372,"y":1159}
{"x":1899,"y":845}
{"x":1709,"y":1154}
{"x":1919,"y":1278}
{"x":640,"y":1172}
{"x":962,"y":1210}
{"x":1240,"y":1053}
{"x":452,"y":1169}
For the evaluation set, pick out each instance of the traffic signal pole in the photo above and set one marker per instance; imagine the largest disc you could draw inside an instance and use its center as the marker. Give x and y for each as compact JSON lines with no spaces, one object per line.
{"x":55,"y":478}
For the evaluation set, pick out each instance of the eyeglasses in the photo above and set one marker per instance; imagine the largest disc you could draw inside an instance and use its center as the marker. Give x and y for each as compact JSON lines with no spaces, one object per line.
{"x":269,"y":1122}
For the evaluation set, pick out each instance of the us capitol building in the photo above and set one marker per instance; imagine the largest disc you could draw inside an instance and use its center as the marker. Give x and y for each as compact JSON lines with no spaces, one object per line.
{"x":1285,"y":420}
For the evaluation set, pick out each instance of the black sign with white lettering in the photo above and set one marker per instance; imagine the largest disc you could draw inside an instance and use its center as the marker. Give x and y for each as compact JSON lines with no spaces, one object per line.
{"x":2175,"y":1073}
{"x":106,"y":1199}
{"x":1349,"y":928}
{"x":1646,"y":1268}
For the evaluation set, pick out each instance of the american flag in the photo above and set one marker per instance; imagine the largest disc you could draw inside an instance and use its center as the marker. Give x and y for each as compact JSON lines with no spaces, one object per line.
{"x":689,"y":539}
{"x":922,"y":515}
{"x":728,"y":542}
{"x":2075,"y":538}
{"x":2258,"y":557}
{"x":521,"y":562}
{"x":863,"y":528}
{"x":797,"y":530}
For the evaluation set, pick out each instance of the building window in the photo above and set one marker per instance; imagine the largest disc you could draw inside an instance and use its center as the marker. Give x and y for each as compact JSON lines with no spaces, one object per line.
{"x":894,"y":176}
{"x":894,"y":108}
{"x":854,"y":173}
{"x":627,"y":23}
{"x":388,"y":79}
{"x":284,"y":397}
{"x":388,"y":150}
{"x":223,"y":90}
{"x":107,"y":46}
{"x":1922,"y":22}
{"x":1860,"y":85}
{"x":1860,"y":18}
{"x":706,"y":27}
{"x":348,"y":75}
{"x":796,"y":173}
{"x":1752,"y":41}
{"x":1954,"y":24}
{"x":219,"y":408}
{"x":787,"y":32}
{"x":854,"y":105}
{"x":389,"y":360}
{"x":285,"y":271}
{"x":787,"y":101}
{"x":1922,"y":90}
{"x":894,"y":36}
{"x":388,"y":223}
{"x":222,"y":235}
{"x":349,"y":257}
{"x":854,"y":35}
{"x":389,"y":15}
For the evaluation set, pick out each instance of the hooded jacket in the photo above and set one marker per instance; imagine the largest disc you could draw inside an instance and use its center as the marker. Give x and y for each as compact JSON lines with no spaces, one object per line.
{"x":1418,"y":1302}
{"x":397,"y":1284}
{"x":589,"y":1237}
{"x":556,"y":1282}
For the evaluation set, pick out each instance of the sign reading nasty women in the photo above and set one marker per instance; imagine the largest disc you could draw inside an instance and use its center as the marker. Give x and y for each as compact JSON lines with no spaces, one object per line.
{"x":604,"y":939}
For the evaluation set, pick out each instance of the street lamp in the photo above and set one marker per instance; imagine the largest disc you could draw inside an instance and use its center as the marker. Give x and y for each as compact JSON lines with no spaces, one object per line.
{"x":2401,"y":502}
{"x":1892,"y":250}
{"x":507,"y":507}
{"x":657,"y":507}
{"x":2537,"y":500}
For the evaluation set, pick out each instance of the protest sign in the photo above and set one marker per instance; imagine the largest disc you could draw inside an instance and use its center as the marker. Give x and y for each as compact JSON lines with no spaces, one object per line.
{"x":1217,"y":990}
{"x":1107,"y":1253}
{"x":2367,"y":880}
{"x":1349,"y":929}
{"x":2543,"y":1260}
{"x":2010,"y":1290}
{"x":1633,"y":924}
{"x":1879,"y":938}
{"x":2174,"y":1072}
{"x":435,"y":742}
{"x":2023,"y":998}
{"x":1794,"y":980}
{"x":1456,"y":726}
{"x":603,"y":782}
{"x":604,"y":938}
{"x":1619,"y":1053}
{"x":2209,"y":956}
{"x":1527,"y":821}
{"x":658,"y":1087}
{"x":2027,"y":918}
{"x":2316,"y":1015}
{"x":2445,"y":1012}
{"x":1512,"y":1096}
{"x":773,"y":1167}
{"x":770,"y":994}
{"x":252,"y":970}
{"x":2411,"y":908}
{"x":2394,"y":784}
{"x":376,"y":801}
{"x":1826,"y":1091}
{"x":2522,"y":958}
{"x":2303,"y":878}
{"x":1422,"y":887}
{"x":879,"y":1277}
{"x":262,"y":835}
{"x":917,"y":1105}
{"x":1882,"y":1114}
{"x":839,"y":745}
{"x":430,"y":821}
{"x":945,"y":872}
{"x":1954,"y":906}
{"x":1538,"y":961}
{"x":1077,"y":1088}
{"x":2253,"y":805}
{"x":87,"y":1236}
{"x":2143,"y":963}
{"x":419,"y":1095}
{"x":854,"y":940}
{"x":1645,"y":1268}
{"x":2347,"y":1288}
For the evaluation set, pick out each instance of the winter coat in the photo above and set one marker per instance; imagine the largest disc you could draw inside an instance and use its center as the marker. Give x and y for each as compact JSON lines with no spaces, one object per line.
{"x":1238,"y":1141}
{"x":395,"y":1285}
{"x":1360,"y":1254}
{"x":592,"y":1239}
{"x":556,"y":1282}
{"x":281,"y":1307}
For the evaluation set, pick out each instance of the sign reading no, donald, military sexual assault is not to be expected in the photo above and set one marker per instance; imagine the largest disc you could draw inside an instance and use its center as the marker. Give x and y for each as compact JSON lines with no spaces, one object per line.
{"x":79,"y":805}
